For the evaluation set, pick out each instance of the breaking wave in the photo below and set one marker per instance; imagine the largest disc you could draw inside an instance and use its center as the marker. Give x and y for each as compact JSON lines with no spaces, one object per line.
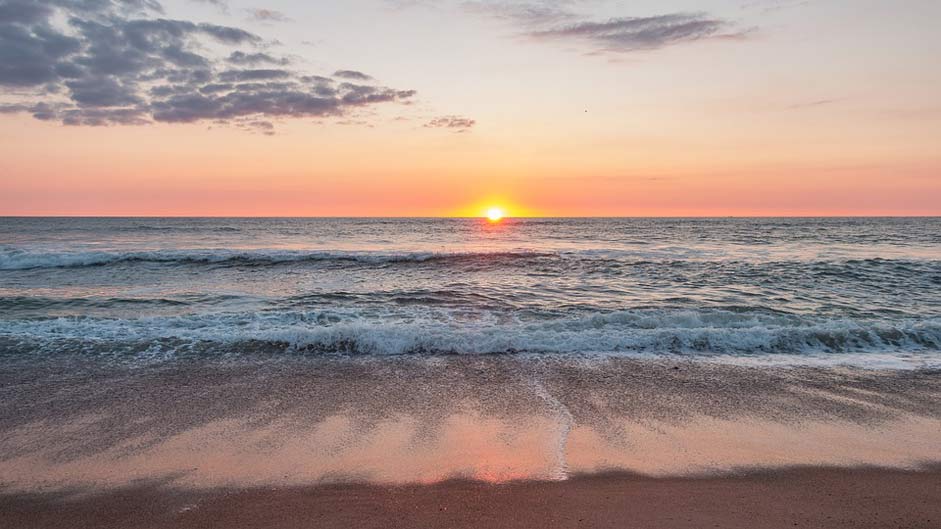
{"x":652,"y":331}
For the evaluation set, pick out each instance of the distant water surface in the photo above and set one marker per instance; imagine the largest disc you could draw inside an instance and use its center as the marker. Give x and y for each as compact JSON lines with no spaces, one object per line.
{"x":861,"y":291}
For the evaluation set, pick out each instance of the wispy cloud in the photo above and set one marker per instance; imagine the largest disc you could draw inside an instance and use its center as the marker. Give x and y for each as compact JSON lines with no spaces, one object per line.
{"x":455,"y":123}
{"x":813,"y":103}
{"x":569,"y":21}
{"x":352,"y":75}
{"x":641,"y":33}
{"x":267,"y":15}
{"x":768,"y":6}
{"x":527,"y":14}
{"x":119,"y":62}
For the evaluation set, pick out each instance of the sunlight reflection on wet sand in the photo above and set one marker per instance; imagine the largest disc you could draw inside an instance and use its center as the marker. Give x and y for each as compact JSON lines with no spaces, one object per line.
{"x":230,"y":453}
{"x":424,"y":420}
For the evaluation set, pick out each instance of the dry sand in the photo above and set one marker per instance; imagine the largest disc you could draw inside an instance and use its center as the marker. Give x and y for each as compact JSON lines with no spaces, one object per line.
{"x":809,"y":497}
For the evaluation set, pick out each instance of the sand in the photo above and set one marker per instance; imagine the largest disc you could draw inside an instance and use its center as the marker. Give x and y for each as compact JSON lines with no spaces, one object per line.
{"x":808,"y":497}
{"x":467,"y":442}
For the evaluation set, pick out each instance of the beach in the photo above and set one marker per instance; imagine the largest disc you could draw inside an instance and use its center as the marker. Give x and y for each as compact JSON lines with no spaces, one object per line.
{"x":817,"y":497}
{"x":470,"y":441}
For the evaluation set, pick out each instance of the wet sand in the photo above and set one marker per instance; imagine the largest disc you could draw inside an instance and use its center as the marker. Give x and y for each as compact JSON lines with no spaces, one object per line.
{"x":467,"y":441}
{"x":808,"y":497}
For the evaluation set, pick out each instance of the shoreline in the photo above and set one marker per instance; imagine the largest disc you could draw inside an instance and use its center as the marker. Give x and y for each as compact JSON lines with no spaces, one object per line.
{"x":426,"y":420}
{"x":759,"y":499}
{"x":465,"y":442}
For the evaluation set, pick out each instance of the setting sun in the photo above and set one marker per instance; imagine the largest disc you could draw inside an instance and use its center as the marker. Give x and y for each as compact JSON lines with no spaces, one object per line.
{"x":495,"y":214}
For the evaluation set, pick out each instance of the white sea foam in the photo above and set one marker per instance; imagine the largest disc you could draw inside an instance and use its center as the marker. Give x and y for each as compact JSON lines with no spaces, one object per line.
{"x":711,"y":333}
{"x":564,"y":423}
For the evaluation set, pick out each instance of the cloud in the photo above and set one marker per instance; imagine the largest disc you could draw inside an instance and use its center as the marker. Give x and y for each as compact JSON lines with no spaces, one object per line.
{"x":221,"y":5}
{"x":104,"y":62}
{"x":264,"y":127}
{"x":352,"y":74}
{"x":531,"y":12}
{"x":812,"y":104}
{"x":267,"y":15}
{"x":767,"y":6}
{"x":455,"y":123}
{"x":641,"y":33}
{"x":245,"y":59}
{"x":229,"y":76}
{"x":568,"y":20}
{"x":526,"y":14}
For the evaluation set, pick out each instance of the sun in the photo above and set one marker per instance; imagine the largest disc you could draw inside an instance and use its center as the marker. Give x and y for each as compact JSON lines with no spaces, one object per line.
{"x":495,"y":214}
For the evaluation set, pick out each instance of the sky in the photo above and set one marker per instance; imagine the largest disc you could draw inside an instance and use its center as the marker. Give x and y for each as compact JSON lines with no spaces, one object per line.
{"x":450,"y":107}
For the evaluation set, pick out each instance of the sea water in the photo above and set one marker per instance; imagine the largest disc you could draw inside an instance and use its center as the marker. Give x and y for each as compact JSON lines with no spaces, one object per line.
{"x":859,"y":291}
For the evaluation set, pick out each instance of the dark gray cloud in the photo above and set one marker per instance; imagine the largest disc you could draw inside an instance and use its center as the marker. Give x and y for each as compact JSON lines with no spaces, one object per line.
{"x":14,"y":108}
{"x":352,"y":75}
{"x":23,"y":12}
{"x":101,"y":62}
{"x":253,"y":75}
{"x":641,"y":33}
{"x":455,"y":123}
{"x":245,"y":59}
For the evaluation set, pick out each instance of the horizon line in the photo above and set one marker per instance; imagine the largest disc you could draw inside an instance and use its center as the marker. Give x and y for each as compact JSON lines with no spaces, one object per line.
{"x":461,"y":217}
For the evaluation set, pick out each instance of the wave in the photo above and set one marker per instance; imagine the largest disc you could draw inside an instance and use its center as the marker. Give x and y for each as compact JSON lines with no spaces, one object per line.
{"x":652,"y":331}
{"x":17,"y":259}
{"x":42,"y":304}
{"x":175,"y":228}
{"x":25,"y":260}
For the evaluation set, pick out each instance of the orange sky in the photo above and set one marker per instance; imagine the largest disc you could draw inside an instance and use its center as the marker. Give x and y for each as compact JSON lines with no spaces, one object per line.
{"x":784,"y":111}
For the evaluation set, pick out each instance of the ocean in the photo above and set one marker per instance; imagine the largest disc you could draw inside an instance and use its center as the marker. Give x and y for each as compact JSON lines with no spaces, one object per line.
{"x":859,"y":291}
